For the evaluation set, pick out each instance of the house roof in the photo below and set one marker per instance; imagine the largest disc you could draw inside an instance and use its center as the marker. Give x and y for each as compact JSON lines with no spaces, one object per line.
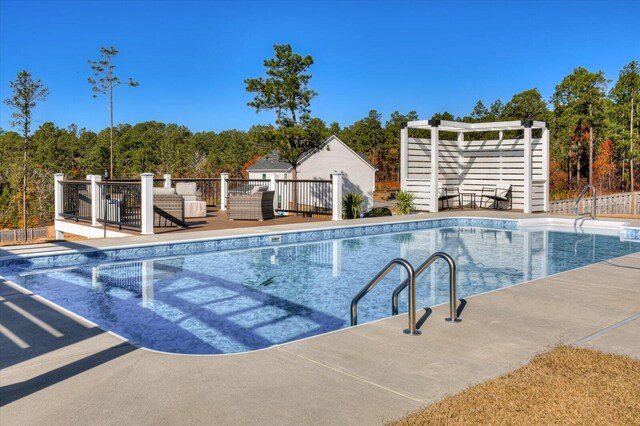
{"x":366,"y":159}
{"x":271,"y":163}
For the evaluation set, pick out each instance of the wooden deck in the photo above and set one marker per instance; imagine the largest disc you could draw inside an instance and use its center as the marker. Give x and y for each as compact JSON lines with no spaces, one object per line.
{"x":217,"y":219}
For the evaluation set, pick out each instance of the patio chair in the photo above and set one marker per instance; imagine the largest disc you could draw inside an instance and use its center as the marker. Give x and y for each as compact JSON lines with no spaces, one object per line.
{"x":444,"y":195}
{"x":168,"y":208}
{"x":194,"y":206}
{"x":256,"y":206}
{"x":189,"y":191}
{"x":502,"y":193}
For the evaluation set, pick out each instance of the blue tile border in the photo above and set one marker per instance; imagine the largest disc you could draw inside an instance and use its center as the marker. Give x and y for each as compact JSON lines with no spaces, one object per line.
{"x":630,"y":234}
{"x":253,"y":241}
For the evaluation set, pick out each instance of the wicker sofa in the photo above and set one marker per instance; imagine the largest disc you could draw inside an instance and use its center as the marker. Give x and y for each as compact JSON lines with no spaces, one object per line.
{"x":256,"y":206}
{"x":168,"y":208}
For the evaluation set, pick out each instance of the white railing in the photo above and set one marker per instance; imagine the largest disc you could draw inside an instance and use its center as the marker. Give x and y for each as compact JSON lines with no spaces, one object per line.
{"x":331,"y":198}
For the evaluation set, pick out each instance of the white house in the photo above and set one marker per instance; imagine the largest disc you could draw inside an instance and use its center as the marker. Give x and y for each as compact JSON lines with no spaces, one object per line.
{"x":359,"y":174}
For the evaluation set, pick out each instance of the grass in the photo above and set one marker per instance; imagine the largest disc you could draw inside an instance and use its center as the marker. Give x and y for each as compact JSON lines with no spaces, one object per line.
{"x":567,"y":385}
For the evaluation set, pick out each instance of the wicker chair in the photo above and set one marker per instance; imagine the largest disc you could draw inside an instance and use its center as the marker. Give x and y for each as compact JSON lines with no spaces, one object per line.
{"x":168,"y":208}
{"x":258,"y":206}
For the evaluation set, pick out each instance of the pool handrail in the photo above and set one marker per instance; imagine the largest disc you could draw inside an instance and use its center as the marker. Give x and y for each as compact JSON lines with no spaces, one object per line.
{"x":592,"y":213}
{"x":453,"y":285}
{"x":412,"y":293}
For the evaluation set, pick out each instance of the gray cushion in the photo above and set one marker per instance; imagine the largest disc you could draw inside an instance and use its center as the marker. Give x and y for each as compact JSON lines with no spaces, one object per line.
{"x":186,"y":188}
{"x":164,"y":191}
{"x":190,"y":197}
{"x":259,"y":188}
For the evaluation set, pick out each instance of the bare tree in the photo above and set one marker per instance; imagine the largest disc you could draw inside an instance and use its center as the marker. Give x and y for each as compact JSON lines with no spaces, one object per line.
{"x":104,"y":83}
{"x":26,"y":92}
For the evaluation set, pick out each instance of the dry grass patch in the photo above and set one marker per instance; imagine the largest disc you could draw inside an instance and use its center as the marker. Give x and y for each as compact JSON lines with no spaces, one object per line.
{"x":565,"y":386}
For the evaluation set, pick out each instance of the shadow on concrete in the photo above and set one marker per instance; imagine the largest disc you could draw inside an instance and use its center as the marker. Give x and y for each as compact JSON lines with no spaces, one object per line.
{"x":30,"y":328}
{"x":424,"y":317}
{"x":11,"y":393}
{"x":51,"y":246}
{"x":461,"y":306}
{"x":621,"y":266}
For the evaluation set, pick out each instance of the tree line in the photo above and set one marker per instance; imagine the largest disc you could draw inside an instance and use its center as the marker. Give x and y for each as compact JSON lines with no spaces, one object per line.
{"x":593,"y":127}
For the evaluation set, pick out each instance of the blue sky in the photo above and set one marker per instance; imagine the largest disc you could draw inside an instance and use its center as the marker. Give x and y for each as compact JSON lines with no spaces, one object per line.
{"x":191,"y":57}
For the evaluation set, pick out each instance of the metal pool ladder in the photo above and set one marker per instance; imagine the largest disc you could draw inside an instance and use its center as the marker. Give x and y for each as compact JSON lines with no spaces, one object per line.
{"x":411,"y":283}
{"x":453,"y":285}
{"x":591,"y":213}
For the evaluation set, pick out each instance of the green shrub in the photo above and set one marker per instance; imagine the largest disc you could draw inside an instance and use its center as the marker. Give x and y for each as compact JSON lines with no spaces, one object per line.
{"x":404,"y":202}
{"x":352,"y":205}
{"x":377,"y":212}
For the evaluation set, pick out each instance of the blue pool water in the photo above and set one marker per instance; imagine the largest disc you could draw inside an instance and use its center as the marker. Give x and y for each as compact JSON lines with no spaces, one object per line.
{"x":252,"y":298}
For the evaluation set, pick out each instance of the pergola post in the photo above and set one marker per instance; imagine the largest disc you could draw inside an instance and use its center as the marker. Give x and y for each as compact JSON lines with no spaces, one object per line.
{"x":527,"y":166}
{"x":434,"y":165}
{"x":545,"y":166}
{"x":404,"y":155}
{"x":460,"y":157}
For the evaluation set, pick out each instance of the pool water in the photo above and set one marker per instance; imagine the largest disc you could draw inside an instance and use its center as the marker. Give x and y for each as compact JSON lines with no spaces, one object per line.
{"x":240,"y":300}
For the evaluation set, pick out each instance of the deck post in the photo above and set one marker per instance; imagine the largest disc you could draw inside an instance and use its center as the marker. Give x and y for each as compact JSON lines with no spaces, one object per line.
{"x":434,"y":168}
{"x":146,"y":208}
{"x":223,"y":190}
{"x":527,"y":166}
{"x":95,"y":199}
{"x":167,"y":181}
{"x":273,"y":186}
{"x":337,"y":196}
{"x":57,"y":197}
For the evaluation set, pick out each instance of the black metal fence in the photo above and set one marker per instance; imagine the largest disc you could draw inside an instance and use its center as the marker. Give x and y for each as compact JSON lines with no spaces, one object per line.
{"x":209,"y":189}
{"x":120,"y":204}
{"x":308,"y":197}
{"x":76,"y":199}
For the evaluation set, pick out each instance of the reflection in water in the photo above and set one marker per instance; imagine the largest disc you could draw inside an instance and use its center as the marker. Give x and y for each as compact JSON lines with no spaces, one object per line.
{"x":247,"y":299}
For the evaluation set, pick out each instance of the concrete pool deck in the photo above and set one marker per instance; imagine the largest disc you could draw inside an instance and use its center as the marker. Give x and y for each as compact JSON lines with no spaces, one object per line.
{"x":362,"y":375}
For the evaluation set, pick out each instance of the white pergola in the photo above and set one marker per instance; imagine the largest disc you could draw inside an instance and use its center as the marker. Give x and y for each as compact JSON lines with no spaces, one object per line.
{"x":471,"y":165}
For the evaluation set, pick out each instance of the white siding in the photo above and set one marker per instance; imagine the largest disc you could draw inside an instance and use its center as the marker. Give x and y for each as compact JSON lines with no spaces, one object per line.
{"x":335,"y":156}
{"x":267,"y":175}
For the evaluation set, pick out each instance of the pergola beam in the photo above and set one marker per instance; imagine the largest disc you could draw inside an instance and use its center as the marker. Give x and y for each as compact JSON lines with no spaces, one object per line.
{"x":457,"y":126}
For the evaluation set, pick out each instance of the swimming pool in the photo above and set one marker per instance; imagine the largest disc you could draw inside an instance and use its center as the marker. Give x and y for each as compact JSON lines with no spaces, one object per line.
{"x":234,"y":295}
